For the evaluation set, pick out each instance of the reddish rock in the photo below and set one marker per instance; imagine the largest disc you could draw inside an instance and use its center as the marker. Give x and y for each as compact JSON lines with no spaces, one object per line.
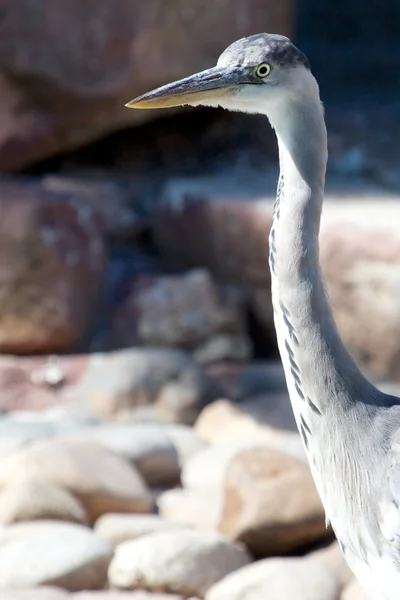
{"x":117,"y":199}
{"x":103,"y":54}
{"x":227,"y":236}
{"x":51,"y":268}
{"x":38,"y":382}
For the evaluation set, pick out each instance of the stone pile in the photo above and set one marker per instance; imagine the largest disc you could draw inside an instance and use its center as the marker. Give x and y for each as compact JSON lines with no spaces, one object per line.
{"x":142,"y":508}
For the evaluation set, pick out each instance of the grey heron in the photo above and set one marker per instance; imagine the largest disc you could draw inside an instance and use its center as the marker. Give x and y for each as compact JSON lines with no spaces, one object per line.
{"x":350,"y":429}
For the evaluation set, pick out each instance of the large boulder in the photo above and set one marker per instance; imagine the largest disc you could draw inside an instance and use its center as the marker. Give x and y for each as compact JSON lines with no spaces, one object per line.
{"x":68,"y":68}
{"x":52,"y":259}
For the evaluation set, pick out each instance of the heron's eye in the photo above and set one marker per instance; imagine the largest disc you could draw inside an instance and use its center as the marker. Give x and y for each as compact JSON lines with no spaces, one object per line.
{"x":263,"y":70}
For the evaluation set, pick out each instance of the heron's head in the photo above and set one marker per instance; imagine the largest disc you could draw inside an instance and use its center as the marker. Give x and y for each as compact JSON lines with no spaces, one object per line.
{"x":253,"y":74}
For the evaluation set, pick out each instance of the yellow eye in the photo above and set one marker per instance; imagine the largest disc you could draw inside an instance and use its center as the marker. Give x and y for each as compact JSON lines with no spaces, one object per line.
{"x":263,"y":70}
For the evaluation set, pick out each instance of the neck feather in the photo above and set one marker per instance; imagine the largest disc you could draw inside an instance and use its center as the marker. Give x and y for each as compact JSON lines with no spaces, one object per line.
{"x":319,"y":370}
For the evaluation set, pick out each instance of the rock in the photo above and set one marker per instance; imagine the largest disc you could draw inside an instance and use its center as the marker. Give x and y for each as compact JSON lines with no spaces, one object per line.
{"x":33,"y":499}
{"x":115,"y":199}
{"x":183,"y":311}
{"x":117,"y":528}
{"x":116,"y":595}
{"x":200,"y":508}
{"x":331,"y":557}
{"x":77,"y":92}
{"x":102,"y":481}
{"x":271,"y":503}
{"x":52,"y":553}
{"x":115,"y":383}
{"x":206,"y":470}
{"x":224,"y":346}
{"x":183,"y":562}
{"x":353,"y":591}
{"x":37,"y":593}
{"x":15,"y":434}
{"x":38,"y":382}
{"x":146,"y":445}
{"x":10,"y":445}
{"x":186,"y":442}
{"x":52,"y":261}
{"x":361,"y":265}
{"x":265,"y":420}
{"x":166,"y":384}
{"x":277,"y":579}
{"x":242,"y":382}
{"x":179,"y":233}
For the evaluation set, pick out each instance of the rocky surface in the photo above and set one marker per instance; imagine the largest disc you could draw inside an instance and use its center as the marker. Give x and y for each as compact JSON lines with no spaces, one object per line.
{"x":276,"y":579}
{"x":225,"y":222}
{"x":200,"y":508}
{"x":117,"y":528}
{"x":152,"y":508}
{"x":52,"y":553}
{"x":362,"y":269}
{"x":186,"y":562}
{"x":188,"y":312}
{"x":266,"y":418}
{"x":102,"y":481}
{"x":52,"y":258}
{"x":37,"y":498}
{"x":58,"y":100}
{"x":271,"y":503}
{"x":359,"y":258}
{"x":165,"y":383}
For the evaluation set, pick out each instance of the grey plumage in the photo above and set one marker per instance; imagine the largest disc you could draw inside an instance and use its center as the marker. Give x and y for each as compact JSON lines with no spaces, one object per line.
{"x":278,"y":48}
{"x":350,"y":430}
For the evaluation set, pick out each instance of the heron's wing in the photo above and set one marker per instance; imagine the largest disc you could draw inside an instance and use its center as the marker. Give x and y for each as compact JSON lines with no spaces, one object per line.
{"x":390,"y":502}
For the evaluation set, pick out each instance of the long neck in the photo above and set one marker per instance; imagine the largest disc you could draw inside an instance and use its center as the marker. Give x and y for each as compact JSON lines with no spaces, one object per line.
{"x":320,"y":372}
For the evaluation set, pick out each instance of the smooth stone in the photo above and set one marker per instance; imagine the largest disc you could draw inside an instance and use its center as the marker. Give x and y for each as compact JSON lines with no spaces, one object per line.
{"x":34,"y":498}
{"x":271,"y":504}
{"x":52,"y":553}
{"x":184,"y":562}
{"x":200,"y":508}
{"x":117,"y":528}
{"x":100,"y":479}
{"x":277,"y":579}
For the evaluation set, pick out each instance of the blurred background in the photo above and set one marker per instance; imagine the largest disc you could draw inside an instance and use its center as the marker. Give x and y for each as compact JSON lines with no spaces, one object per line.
{"x":141,"y":389}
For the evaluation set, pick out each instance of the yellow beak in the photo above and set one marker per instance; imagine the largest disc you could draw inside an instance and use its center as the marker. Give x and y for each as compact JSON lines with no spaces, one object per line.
{"x":206,"y":87}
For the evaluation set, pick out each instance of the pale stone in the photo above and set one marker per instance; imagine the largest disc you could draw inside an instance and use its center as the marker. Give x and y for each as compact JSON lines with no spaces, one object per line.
{"x":277,"y":579}
{"x":118,"y":528}
{"x":52,"y":553}
{"x":185,"y":562}
{"x":200,"y":508}
{"x":271,"y":503}
{"x":34,"y":498}
{"x":102,"y":481}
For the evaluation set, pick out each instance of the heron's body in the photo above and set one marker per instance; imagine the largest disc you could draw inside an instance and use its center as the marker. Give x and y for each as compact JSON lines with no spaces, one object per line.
{"x":350,"y":430}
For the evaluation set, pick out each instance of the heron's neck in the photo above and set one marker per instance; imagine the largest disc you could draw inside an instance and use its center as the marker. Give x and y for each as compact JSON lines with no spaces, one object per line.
{"x":320,"y":372}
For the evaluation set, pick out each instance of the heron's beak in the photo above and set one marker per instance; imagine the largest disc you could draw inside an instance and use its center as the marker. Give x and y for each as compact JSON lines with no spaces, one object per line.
{"x":207,"y":87}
